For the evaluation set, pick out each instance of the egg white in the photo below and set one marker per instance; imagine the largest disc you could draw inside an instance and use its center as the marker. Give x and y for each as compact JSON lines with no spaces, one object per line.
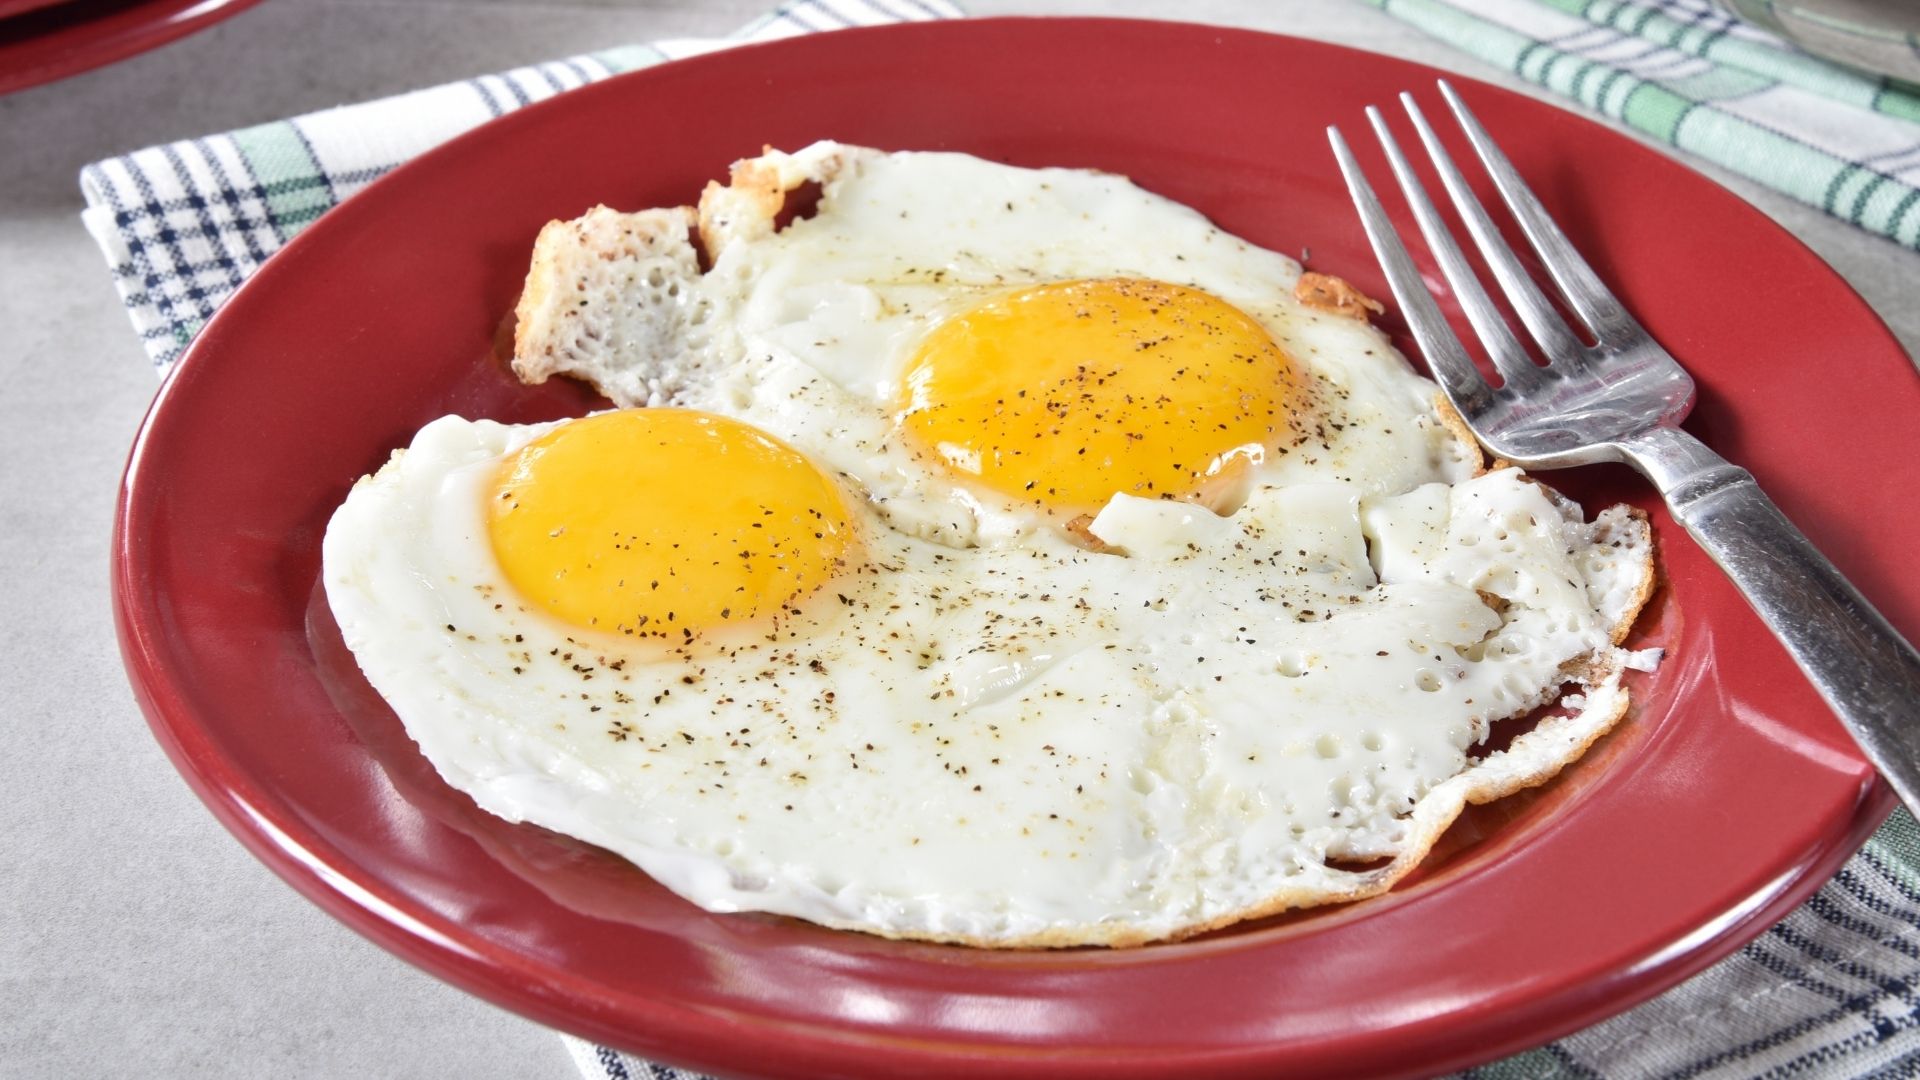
{"x":1018,"y":744}
{"x":987,"y":731}
{"x":804,"y":331}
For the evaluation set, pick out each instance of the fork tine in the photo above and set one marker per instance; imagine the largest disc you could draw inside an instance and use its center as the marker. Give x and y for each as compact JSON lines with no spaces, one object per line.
{"x":1509,"y":357}
{"x":1446,"y":357}
{"x":1581,"y":287}
{"x":1533,"y":307}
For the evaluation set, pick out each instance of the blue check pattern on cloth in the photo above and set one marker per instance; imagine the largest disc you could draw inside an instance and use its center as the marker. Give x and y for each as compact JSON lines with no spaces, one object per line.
{"x":184,"y":224}
{"x":1833,"y":990}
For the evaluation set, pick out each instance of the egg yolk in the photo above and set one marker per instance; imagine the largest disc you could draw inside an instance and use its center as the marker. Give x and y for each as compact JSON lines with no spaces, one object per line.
{"x":1061,"y":395}
{"x":664,"y":523}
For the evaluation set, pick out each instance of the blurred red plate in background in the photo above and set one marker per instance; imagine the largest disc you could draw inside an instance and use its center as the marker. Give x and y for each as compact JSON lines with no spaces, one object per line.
{"x":11,"y":8}
{"x":41,"y":41}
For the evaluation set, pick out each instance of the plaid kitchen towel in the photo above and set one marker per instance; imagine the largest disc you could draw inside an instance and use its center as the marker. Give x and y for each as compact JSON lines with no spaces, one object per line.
{"x":184,"y":224}
{"x":1688,"y":73}
{"x":1832,"y":990}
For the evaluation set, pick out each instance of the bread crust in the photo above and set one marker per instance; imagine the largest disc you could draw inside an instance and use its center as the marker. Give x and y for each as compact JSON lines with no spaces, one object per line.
{"x":751,"y":195}
{"x":1456,"y":426}
{"x":1337,"y":296}
{"x":1649,"y":579}
{"x":748,"y":206}
{"x":556,"y":320}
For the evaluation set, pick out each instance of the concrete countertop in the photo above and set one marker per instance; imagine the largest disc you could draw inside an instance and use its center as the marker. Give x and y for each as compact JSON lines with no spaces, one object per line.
{"x":135,"y":934}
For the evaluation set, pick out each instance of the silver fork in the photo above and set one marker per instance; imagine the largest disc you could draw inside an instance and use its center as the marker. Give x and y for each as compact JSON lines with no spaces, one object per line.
{"x":1622,"y":399}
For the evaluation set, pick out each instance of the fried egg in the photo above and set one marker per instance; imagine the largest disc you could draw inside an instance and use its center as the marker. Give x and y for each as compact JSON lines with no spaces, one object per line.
{"x":996,"y":556}
{"x":977,"y":346}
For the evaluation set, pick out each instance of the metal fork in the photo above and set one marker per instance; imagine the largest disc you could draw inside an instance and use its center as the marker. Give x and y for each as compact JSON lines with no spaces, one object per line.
{"x":1622,"y":399}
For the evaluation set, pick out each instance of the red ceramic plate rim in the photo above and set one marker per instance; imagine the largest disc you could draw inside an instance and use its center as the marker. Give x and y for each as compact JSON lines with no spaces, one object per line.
{"x":1529,"y":935}
{"x":52,"y":41}
{"x":13,"y":8}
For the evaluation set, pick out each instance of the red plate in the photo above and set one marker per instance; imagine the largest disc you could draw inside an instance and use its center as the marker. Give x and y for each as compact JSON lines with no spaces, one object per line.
{"x":44,"y":41}
{"x":11,"y":8}
{"x":1726,"y":799}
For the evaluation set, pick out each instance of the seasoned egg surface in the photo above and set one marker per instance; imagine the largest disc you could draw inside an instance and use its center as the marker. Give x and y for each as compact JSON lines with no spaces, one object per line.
{"x":1007,"y":558}
{"x":980,"y":348}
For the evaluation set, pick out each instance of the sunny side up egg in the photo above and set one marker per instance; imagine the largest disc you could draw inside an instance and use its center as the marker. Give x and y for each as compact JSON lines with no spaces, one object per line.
{"x":1009,"y":557}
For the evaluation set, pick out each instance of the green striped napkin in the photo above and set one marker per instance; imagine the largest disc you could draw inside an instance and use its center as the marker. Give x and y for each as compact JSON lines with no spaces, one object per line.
{"x":1688,"y":73}
{"x":1834,"y":989}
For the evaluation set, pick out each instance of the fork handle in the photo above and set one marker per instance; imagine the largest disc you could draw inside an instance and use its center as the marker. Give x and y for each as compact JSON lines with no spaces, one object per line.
{"x":1856,"y":659}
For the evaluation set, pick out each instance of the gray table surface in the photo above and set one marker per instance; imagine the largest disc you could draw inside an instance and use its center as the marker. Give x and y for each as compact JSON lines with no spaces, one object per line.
{"x":135,"y":935}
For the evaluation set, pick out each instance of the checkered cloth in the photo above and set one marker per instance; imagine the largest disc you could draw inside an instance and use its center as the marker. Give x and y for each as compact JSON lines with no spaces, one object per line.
{"x":184,"y":224}
{"x":1688,"y":73}
{"x":1833,"y":990}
